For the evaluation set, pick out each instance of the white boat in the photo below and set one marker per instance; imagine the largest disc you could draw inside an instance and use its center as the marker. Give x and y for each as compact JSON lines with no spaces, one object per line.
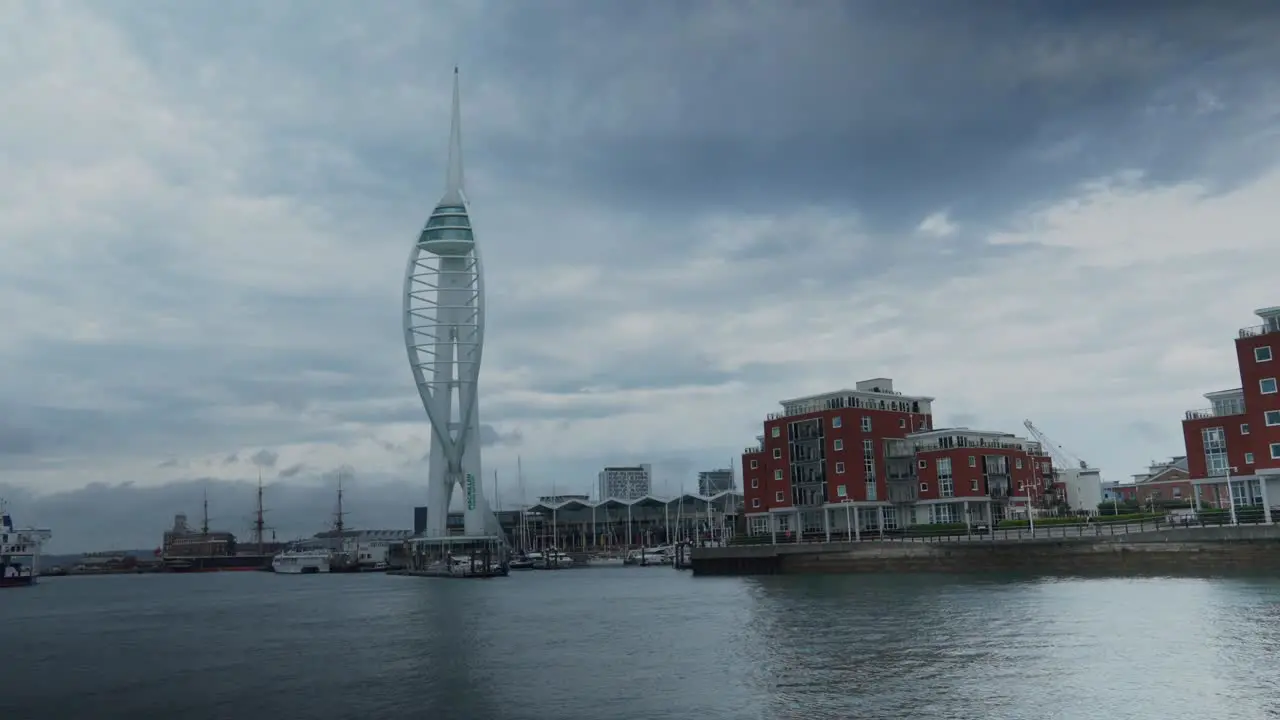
{"x":550,"y":560}
{"x":649,"y":556}
{"x":302,"y":562}
{"x":605,"y":561}
{"x":19,"y":551}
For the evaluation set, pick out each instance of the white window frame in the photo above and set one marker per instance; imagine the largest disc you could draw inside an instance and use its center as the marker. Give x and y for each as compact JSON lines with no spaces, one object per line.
{"x":1017,"y":463}
{"x":902,"y":422}
{"x":922,"y":464}
{"x":1244,"y":428}
{"x":1248,"y":458}
{"x":866,"y":423}
{"x":779,"y":496}
{"x":839,"y":468}
{"x":973,"y":486}
{"x":842,"y":491}
{"x":755,"y":502}
{"x":775,"y":432}
{"x":838,"y":444}
{"x":924,"y":487}
{"x":777,"y":453}
{"x":777,"y":474}
{"x":1258,"y":355}
{"x":755,"y":482}
{"x":755,"y":464}
{"x":1270,"y":415}
{"x":973,"y":461}
{"x":1275,"y":451}
{"x":836,"y":422}
{"x":1262,"y":386}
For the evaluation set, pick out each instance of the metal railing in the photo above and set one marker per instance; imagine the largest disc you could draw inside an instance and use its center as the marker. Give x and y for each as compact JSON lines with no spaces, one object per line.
{"x":1257,"y":330}
{"x":1039,"y":532}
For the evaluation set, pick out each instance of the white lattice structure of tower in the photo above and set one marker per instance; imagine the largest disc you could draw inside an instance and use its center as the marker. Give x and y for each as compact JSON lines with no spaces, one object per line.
{"x":444,"y":336}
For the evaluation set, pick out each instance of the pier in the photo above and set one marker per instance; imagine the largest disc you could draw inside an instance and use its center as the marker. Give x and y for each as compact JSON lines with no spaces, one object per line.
{"x":1132,"y":548}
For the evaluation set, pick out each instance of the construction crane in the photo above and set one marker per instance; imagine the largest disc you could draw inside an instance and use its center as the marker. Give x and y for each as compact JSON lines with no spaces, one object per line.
{"x":1063,"y":459}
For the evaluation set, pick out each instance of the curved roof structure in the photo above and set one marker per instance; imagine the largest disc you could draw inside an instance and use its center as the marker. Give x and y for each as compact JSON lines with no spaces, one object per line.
{"x":648,"y":501}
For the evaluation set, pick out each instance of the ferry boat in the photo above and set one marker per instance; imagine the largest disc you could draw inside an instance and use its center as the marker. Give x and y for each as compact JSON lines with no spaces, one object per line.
{"x":19,"y":551}
{"x":302,"y":562}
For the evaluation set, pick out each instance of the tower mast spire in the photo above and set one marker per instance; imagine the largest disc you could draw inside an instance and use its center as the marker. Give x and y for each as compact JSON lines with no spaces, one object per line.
{"x":454,"y":182}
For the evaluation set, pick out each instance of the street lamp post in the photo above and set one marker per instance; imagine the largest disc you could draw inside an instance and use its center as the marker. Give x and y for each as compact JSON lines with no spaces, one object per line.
{"x":1231,"y":496}
{"x":848,"y":522}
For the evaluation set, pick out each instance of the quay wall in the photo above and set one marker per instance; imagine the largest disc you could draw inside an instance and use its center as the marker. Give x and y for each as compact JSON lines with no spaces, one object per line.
{"x":1189,"y":551}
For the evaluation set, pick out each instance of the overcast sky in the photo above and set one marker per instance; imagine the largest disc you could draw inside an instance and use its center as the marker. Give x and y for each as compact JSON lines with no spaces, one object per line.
{"x":689,"y":211}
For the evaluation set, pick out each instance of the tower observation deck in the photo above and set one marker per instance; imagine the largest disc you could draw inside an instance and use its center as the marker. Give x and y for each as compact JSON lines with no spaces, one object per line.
{"x":444,"y":336}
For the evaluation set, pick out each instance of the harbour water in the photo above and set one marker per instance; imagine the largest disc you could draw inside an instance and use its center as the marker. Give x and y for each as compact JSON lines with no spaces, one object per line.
{"x":641,"y":644}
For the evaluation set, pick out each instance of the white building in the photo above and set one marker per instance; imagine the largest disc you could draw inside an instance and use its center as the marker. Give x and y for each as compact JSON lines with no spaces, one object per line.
{"x":1082,"y":487}
{"x":625,"y":483}
{"x":714,"y":482}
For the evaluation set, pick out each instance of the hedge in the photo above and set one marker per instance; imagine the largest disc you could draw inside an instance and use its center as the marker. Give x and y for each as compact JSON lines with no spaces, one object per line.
{"x":1077,"y":520}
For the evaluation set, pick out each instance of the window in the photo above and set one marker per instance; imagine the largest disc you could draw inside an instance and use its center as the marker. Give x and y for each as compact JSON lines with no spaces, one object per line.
{"x":902,"y":422}
{"x":1248,"y":458}
{"x":776,"y":432}
{"x":1215,"y":450}
{"x":973,"y":486}
{"x":777,"y":474}
{"x":1177,"y":492}
{"x":1244,"y":428}
{"x":924,"y":487}
{"x":871,"y":490}
{"x":866,"y":423}
{"x":839,"y":444}
{"x":1275,"y":451}
{"x":839,"y":468}
{"x":1267,"y":385}
{"x":755,"y":502}
{"x":777,"y":453}
{"x":755,"y":482}
{"x":1262,"y":354}
{"x":755,"y":464}
{"x":1273,"y":418}
{"x":1017,"y":462}
{"x":836,"y":422}
{"x":946,"y":484}
{"x":841,"y":491}
{"x":923,"y":464}
{"x":973,"y":461}
{"x":779,"y":496}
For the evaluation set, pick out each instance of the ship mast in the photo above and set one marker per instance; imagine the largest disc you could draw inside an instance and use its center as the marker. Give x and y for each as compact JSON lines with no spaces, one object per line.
{"x":204,"y":518}
{"x":259,"y":522}
{"x":338,"y":524}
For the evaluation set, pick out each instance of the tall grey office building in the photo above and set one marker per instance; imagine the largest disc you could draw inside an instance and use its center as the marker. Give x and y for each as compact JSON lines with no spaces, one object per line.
{"x":625,"y":483}
{"x":711,"y":482}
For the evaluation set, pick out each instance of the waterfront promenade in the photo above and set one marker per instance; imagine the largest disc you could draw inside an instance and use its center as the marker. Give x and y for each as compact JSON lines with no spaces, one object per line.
{"x":1137,"y":547}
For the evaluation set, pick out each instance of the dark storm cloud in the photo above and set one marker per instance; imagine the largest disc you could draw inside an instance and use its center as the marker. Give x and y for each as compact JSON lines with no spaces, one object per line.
{"x":897,"y":107}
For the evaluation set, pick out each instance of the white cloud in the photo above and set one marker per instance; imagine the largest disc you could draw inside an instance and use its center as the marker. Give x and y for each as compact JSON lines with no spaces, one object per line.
{"x":169,"y":239}
{"x":937,"y":225}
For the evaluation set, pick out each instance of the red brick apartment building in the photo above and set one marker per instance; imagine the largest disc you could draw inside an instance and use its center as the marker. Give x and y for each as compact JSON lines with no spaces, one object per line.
{"x":870,"y":459}
{"x":1236,"y":441}
{"x":1167,"y":480}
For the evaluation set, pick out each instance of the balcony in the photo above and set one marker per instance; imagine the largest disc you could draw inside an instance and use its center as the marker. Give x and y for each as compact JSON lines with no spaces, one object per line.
{"x":1258,"y":330}
{"x":903,"y":492}
{"x":1212,"y":412}
{"x":899,"y":449}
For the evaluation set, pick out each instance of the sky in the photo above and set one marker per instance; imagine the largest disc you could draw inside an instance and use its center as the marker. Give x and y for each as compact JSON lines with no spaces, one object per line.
{"x":688,"y":212}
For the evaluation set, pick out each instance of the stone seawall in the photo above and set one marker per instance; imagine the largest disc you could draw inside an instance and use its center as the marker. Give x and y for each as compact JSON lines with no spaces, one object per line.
{"x":1194,"y":551}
